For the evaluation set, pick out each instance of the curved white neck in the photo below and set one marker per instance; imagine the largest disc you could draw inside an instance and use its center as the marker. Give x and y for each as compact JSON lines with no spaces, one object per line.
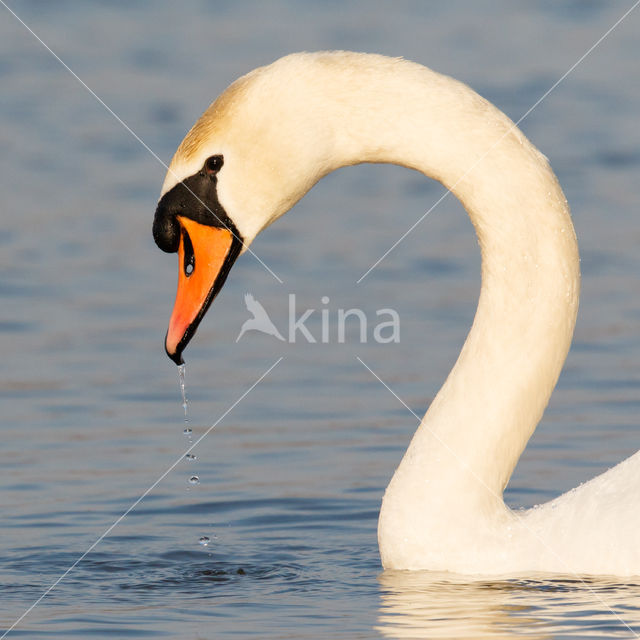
{"x":334,"y":109}
{"x":469,"y":441}
{"x":482,"y":418}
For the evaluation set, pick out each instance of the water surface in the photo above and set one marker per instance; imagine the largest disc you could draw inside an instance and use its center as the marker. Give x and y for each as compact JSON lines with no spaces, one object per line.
{"x":291,"y":478}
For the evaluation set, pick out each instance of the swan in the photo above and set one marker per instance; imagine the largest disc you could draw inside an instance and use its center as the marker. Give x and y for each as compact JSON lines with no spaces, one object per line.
{"x":265,"y":141}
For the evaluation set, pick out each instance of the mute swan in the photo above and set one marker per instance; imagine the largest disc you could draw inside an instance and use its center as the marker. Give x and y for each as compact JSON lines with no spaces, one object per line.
{"x":266,"y":141}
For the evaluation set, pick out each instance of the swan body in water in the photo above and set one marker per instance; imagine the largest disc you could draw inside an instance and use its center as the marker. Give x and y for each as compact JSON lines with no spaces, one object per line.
{"x":278,"y":130}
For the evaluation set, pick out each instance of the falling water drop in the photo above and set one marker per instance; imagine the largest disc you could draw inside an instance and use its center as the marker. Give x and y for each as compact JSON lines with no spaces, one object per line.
{"x":188,"y":432}
{"x":181,"y":374}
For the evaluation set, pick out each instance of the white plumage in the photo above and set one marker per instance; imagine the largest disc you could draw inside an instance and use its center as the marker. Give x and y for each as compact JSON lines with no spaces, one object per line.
{"x":283,"y":127}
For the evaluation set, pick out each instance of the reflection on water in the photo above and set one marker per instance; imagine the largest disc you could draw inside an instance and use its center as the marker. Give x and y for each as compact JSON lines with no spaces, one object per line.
{"x":436,"y":605}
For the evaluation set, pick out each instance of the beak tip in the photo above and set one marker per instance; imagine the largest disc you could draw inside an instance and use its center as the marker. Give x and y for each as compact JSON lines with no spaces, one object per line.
{"x":176,"y":355}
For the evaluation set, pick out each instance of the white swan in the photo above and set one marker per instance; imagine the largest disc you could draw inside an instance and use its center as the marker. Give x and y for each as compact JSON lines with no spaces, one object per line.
{"x":266,"y":141}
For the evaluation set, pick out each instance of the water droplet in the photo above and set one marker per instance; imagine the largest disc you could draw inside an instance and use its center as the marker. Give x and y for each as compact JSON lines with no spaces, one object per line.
{"x":187,"y":431}
{"x":194,"y":480}
{"x":204,"y":541}
{"x":185,"y":403}
{"x":190,"y":457}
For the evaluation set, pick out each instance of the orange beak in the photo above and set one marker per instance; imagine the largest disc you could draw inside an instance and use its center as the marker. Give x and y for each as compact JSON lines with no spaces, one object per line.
{"x":203,"y":266}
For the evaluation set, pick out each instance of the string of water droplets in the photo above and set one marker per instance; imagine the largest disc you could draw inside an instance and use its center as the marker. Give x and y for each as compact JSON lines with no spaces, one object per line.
{"x":194,"y":480}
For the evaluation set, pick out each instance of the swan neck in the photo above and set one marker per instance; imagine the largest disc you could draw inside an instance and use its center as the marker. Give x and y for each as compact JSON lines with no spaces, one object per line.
{"x":472,"y":436}
{"x":329,"y":110}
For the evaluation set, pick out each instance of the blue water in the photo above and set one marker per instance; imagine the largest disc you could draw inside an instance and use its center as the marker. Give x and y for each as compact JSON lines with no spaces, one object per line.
{"x":291,"y":478}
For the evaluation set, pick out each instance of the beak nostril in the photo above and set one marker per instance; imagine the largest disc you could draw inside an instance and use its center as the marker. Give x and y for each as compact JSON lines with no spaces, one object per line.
{"x":189,"y":262}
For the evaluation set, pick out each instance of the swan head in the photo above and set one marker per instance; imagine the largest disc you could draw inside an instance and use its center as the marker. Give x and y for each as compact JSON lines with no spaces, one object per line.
{"x":253,"y":153}
{"x":191,"y":221}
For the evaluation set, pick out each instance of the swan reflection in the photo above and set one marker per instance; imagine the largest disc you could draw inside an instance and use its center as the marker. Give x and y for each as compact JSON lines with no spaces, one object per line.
{"x":439,"y":605}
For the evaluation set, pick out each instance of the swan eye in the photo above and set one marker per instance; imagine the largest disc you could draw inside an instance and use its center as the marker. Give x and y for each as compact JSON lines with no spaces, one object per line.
{"x":213,"y":164}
